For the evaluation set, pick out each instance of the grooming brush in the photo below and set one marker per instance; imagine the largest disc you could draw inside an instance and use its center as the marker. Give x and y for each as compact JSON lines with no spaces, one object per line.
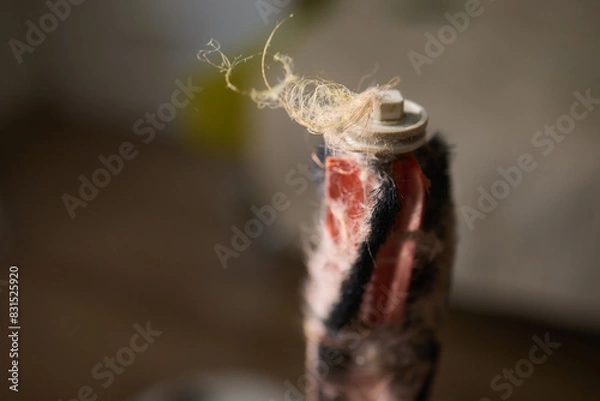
{"x":379,"y":274}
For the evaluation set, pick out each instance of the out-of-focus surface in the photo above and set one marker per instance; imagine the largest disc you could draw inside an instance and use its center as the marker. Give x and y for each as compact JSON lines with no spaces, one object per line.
{"x":142,"y":250}
{"x":130,"y":260}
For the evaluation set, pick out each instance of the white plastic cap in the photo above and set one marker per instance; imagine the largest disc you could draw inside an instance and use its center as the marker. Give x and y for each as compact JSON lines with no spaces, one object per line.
{"x":398,"y":126}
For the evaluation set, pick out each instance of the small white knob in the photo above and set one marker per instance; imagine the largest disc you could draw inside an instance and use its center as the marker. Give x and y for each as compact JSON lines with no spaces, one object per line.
{"x":390,"y":107}
{"x":398,"y":126}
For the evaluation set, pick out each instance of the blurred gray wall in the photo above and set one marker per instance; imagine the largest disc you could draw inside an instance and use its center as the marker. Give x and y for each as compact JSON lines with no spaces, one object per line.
{"x":114,"y":60}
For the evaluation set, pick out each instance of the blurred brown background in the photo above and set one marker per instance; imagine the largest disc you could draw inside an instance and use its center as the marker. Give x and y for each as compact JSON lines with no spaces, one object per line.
{"x":143,"y":249}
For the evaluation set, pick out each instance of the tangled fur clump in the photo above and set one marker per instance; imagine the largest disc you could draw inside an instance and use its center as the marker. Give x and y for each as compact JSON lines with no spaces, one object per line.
{"x":322,"y":106}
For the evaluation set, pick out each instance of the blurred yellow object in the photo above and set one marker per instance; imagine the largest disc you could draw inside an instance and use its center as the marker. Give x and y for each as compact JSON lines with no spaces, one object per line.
{"x":215,"y":121}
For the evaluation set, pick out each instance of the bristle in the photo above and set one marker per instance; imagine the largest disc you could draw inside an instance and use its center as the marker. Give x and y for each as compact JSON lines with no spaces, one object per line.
{"x":385,"y":207}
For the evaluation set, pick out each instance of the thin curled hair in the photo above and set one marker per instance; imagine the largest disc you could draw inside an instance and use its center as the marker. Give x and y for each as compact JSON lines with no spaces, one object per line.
{"x":322,"y":106}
